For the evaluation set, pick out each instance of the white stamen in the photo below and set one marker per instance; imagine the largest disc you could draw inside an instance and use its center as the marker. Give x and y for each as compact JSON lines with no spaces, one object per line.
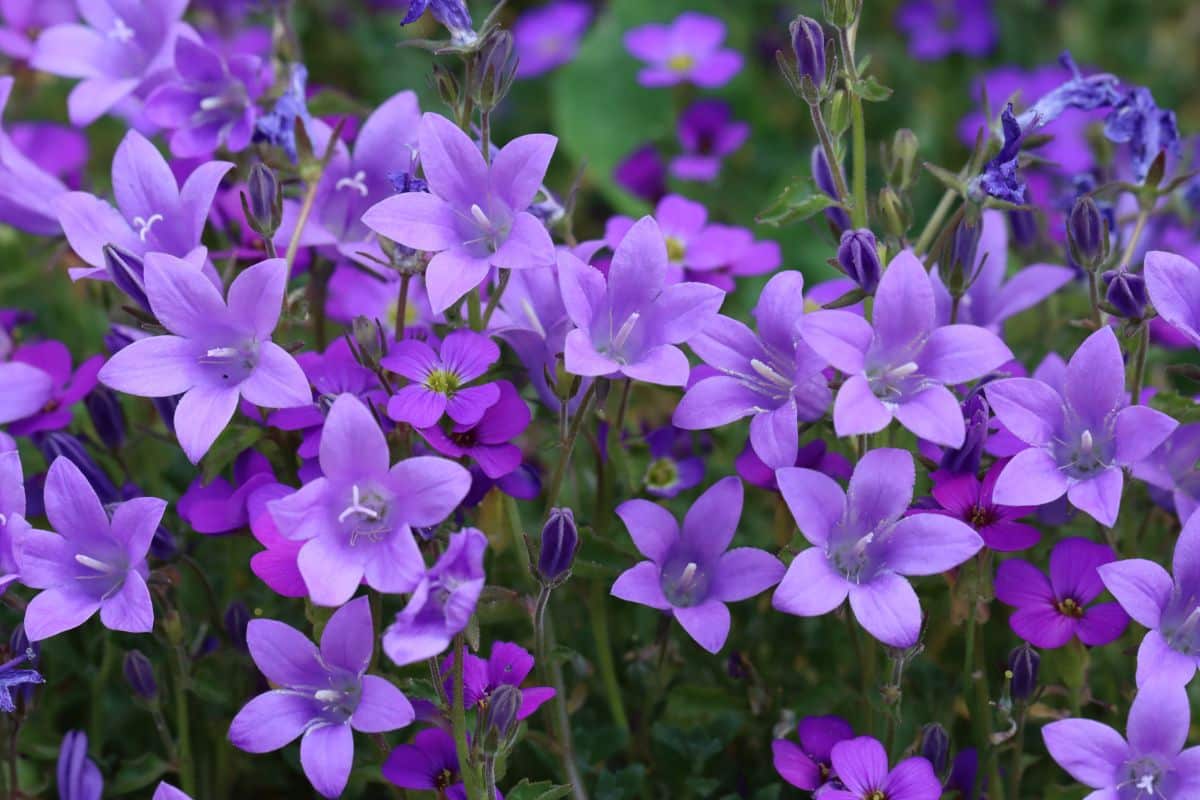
{"x":358,"y":183}
{"x":327,"y":696}
{"x":1146,"y":783}
{"x":626,"y":329}
{"x":689,"y":573}
{"x":212,"y":103}
{"x":220,"y":354}
{"x":534,"y":322}
{"x":92,"y":563}
{"x":144,"y":225}
{"x":904,"y":370}
{"x":480,"y":217}
{"x":770,"y":374}
{"x":862,"y":544}
{"x":3,"y":520}
{"x":120,"y":31}
{"x":356,"y":507}
{"x":1086,"y":442}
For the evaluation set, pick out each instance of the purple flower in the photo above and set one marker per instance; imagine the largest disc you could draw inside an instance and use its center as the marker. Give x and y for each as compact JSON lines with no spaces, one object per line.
{"x":692,"y":243}
{"x":124,"y":48}
{"x":323,"y":694}
{"x":864,"y":547}
{"x":21,"y":17}
{"x":442,"y":603}
{"x":209,"y":102}
{"x":1149,"y":130}
{"x":12,"y":513}
{"x":357,"y":519}
{"x":439,"y":380}
{"x":899,"y":365}
{"x":1076,"y":92}
{"x":688,"y":49}
{"x":166,"y":791}
{"x":12,"y":678}
{"x":77,"y":776}
{"x":937,"y":28}
{"x":966,"y":498}
{"x":1149,"y":765}
{"x":453,"y":14}
{"x":276,"y":565}
{"x":152,"y":215}
{"x":67,"y":387}
{"x":219,"y":350}
{"x":28,"y":193}
{"x":548,"y":37}
{"x":1174,"y":285}
{"x":774,"y":376}
{"x":430,"y":762}
{"x":708,"y":135}
{"x":1050,"y":613}
{"x":1077,"y":440}
{"x":1170,"y":608}
{"x":27,"y":389}
{"x":689,"y":573}
{"x":642,"y":174}
{"x":861,"y":765}
{"x":1171,"y":468}
{"x":220,"y":506}
{"x":278,"y":127}
{"x":508,"y":665}
{"x":92,"y":563}
{"x":808,"y":765}
{"x":474,"y":215}
{"x":487,"y":440}
{"x":674,"y":465}
{"x":631,"y":322}
{"x":999,"y":177}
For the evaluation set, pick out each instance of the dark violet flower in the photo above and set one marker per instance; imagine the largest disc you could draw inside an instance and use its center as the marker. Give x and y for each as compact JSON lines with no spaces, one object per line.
{"x":808,"y":46}
{"x":675,"y":466}
{"x":68,"y":386}
{"x":858,"y":257}
{"x":937,"y":28}
{"x":999,"y":177}
{"x":935,"y":746}
{"x":1151,"y":764}
{"x":357,"y":519}
{"x":1171,"y":468}
{"x":1087,"y":233}
{"x":218,"y":350}
{"x":898,"y":366}
{"x":77,"y":776}
{"x":153,"y":214}
{"x":442,"y":603}
{"x":807,"y":765}
{"x":690,"y":573}
{"x":104,"y":409}
{"x":1169,"y":608}
{"x":814,"y":455}
{"x":693,"y":245}
{"x":278,"y":127}
{"x":13,"y":677}
{"x":139,"y":674}
{"x":1137,"y":120}
{"x":631,"y":321}
{"x":965,"y":497}
{"x":508,"y":665}
{"x":1078,"y":440}
{"x":861,"y":765}
{"x":822,"y":176}
{"x":220,"y":506}
{"x":1052,"y":612}
{"x":1126,"y":293}
{"x":430,"y":762}
{"x":60,"y":443}
{"x":453,"y":14}
{"x":773,"y":377}
{"x":28,"y":193}
{"x":209,"y":102}
{"x":707,"y":134}
{"x":968,"y":458}
{"x":92,"y":563}
{"x":557,"y":546}
{"x":548,"y":37}
{"x":439,"y":380}
{"x":643,"y":174}
{"x":323,"y":695}
{"x":487,"y":441}
{"x":475,"y":214}
{"x":864,"y":547}
{"x":1174,"y":286}
{"x":688,"y":49}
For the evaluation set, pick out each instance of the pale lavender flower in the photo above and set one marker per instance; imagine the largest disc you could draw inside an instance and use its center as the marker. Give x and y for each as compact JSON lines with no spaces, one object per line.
{"x":12,"y":513}
{"x":28,"y":193}
{"x":27,"y":389}
{"x":688,"y":49}
{"x":547,"y":37}
{"x":694,"y":245}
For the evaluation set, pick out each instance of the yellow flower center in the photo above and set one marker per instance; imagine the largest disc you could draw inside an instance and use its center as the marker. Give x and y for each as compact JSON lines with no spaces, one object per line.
{"x":681,"y":62}
{"x":443,"y":382}
{"x":675,"y":249}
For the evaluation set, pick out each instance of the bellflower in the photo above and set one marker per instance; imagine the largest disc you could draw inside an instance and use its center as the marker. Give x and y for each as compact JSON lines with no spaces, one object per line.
{"x":68,"y":386}
{"x":999,"y":177}
{"x":1076,"y":92}
{"x":864,"y":547}
{"x":166,"y":791}
{"x":21,"y":17}
{"x":92,"y":563}
{"x":966,"y":498}
{"x":123,"y":48}
{"x":808,"y":765}
{"x":439,"y":380}
{"x":218,"y":350}
{"x":1171,"y":470}
{"x":898,"y":365}
{"x":675,"y":463}
{"x":692,"y":243}
{"x":12,"y":513}
{"x":487,"y":440}
{"x":1050,"y":613}
{"x":324,"y":694}
{"x":773,"y":376}
{"x":1150,"y":764}
{"x":1078,"y":440}
{"x":1174,"y":285}
{"x":276,"y":566}
{"x":861,"y":765}
{"x":474,"y":215}
{"x":686,"y":50}
{"x":430,"y":762}
{"x":707,"y":134}
{"x":743,"y":256}
{"x":442,"y":603}
{"x":153,"y":214}
{"x":689,"y":573}
{"x":1170,"y":651}
{"x":937,"y":28}
{"x":547,"y":37}
{"x":357,"y":519}
{"x":630,"y":322}
{"x":77,"y":776}
{"x":28,"y":193}
{"x":508,"y":665}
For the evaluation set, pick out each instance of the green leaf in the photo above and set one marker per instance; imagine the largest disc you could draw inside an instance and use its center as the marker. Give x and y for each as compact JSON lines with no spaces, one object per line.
{"x":542,"y":790}
{"x":871,"y":90}
{"x":228,"y":446}
{"x":796,"y":203}
{"x":1183,"y":409}
{"x":138,"y":773}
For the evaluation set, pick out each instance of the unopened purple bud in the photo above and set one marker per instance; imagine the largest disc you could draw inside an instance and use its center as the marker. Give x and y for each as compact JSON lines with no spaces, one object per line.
{"x":964,"y":247}
{"x":560,"y":539}
{"x":496,"y":69}
{"x":139,"y":674}
{"x":1087,"y":232}
{"x":128,"y":274}
{"x":107,"y":417}
{"x":1126,"y":293}
{"x":57,"y":443}
{"x":500,"y":718}
{"x":935,"y":746}
{"x":163,"y":546}
{"x":808,"y":45}
{"x":858,"y":257}
{"x":966,"y":459}
{"x":237,"y":618}
{"x":264,"y":207}
{"x":823,"y":178}
{"x":1023,"y":664}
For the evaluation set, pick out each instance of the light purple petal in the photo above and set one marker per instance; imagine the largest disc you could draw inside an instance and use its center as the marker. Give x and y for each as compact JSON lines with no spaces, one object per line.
{"x":810,"y":587}
{"x":331,"y":569}
{"x":382,"y":707}
{"x":707,"y":623}
{"x":638,"y":269}
{"x":1030,"y":409}
{"x":278,"y":380}
{"x":158,"y":366}
{"x":581,"y":357}
{"x":1030,"y":286}
{"x":348,"y":638}
{"x":528,"y":245}
{"x":1141,"y":586}
{"x":888,"y":609}
{"x":904,"y":306}
{"x":684,"y":310}
{"x":933,"y":414}
{"x":93,"y":97}
{"x":56,"y":610}
{"x":641,"y":584}
{"x":665,"y":365}
{"x":271,"y":721}
{"x":134,"y":523}
{"x":711,"y":522}
{"x":183,"y":298}
{"x":520,"y":167}
{"x":1031,"y":478}
{"x":717,"y":401}
{"x":744,"y":572}
{"x":775,"y":435}
{"x":327,"y":754}
{"x":1139,"y":430}
{"x":467,"y":406}
{"x":450,"y":275}
{"x":840,"y":337}
{"x":200,"y":417}
{"x":926,"y":544}
{"x":651,"y":527}
{"x":961,"y":353}
{"x":256,"y":295}
{"x":72,"y":505}
{"x":794,"y":766}
{"x":1174,"y":285}
{"x":1158,"y":662}
{"x":815,"y":500}
{"x":1096,"y":378}
{"x":912,"y":779}
{"x":428,"y":489}
{"x":857,"y":410}
{"x":352,"y":445}
{"x":89,"y":223}
{"x":130,"y":608}
{"x":283,"y":654}
{"x":861,"y":764}
{"x":1089,"y":751}
{"x":26,"y":390}
{"x":881,"y":487}
{"x":1099,"y":496}
{"x":452,"y":163}
{"x":415,"y":219}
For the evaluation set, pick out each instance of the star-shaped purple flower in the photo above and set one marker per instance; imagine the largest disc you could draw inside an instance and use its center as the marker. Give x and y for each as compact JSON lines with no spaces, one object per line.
{"x":487,"y":441}
{"x":68,"y":386}
{"x":439,"y":380}
{"x":686,"y":50}
{"x":12,"y":513}
{"x":1174,"y":285}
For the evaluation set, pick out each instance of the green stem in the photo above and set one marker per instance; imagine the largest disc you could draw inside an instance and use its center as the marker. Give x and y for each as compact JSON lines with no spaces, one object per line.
{"x":458,"y":719}
{"x":858,"y":132}
{"x":598,"y":611}
{"x":489,"y":777}
{"x":1018,"y":750}
{"x":835,"y":166}
{"x":1094,"y":297}
{"x":97,"y":726}
{"x":568,"y":445}
{"x":306,"y":207}
{"x":935,"y":222}
{"x":402,"y":308}
{"x":1139,"y":227}
{"x":1139,"y":362}
{"x":539,"y":626}
{"x":183,"y":732}
{"x":474,"y":315}
{"x":562,"y":721}
{"x":164,"y":733}
{"x":494,"y":300}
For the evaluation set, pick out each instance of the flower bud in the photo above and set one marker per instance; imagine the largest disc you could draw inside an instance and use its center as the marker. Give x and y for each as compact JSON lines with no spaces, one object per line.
{"x":446,"y":84}
{"x":1024,"y":225}
{"x":823,"y":177}
{"x":107,"y":417}
{"x":128,"y":274}
{"x":237,"y":618}
{"x":57,"y":444}
{"x":139,"y":674}
{"x":495,"y":70}
{"x":1087,"y":233}
{"x":842,"y":13}
{"x":560,"y":540}
{"x":500,"y":718}
{"x":1023,"y":664}
{"x":967,"y":458}
{"x":935,"y":746}
{"x":858,"y":257}
{"x":894,"y":211}
{"x":904,"y":158}
{"x":808,"y":46}
{"x":1126,"y":293}
{"x":163,"y":546}
{"x":263,"y":202}
{"x":963,"y":249}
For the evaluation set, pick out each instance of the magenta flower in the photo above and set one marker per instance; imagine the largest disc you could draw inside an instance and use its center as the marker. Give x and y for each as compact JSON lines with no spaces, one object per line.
{"x":475,"y":215}
{"x":1174,"y":285}
{"x":643,"y":174}
{"x":631,"y":322}
{"x":1079,"y":440}
{"x":276,"y":565}
{"x":1052,"y":612}
{"x":357,"y":519}
{"x":861,"y":765}
{"x":439,"y":380}
{"x":689,"y":573}
{"x":547,"y":37}
{"x":900,"y":364}
{"x":707,"y":134}
{"x":809,"y":765}
{"x":966,"y":498}
{"x":937,"y":28}
{"x":323,"y":695}
{"x":814,"y":455}
{"x":220,"y":506}
{"x":67,"y":387}
{"x":28,"y":193}
{"x":92,"y":563}
{"x":430,"y":762}
{"x":509,"y":664}
{"x":218,"y":350}
{"x":487,"y":441}
{"x":864,"y":547}
{"x":688,"y":49}
{"x":1150,"y":764}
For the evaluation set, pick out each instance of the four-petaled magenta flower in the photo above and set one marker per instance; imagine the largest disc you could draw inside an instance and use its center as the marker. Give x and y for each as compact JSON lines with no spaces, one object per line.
{"x":689,"y":572}
{"x":357,"y":519}
{"x":807,"y":765}
{"x":219,"y":350}
{"x":509,"y":664}
{"x":773,"y":376}
{"x":153,"y":213}
{"x":68,"y":386}
{"x":487,"y":442}
{"x":92,"y":563}
{"x":1174,"y":285}
{"x":1052,"y":612}
{"x":1170,"y":608}
{"x":474,"y":215}
{"x":630,"y":323}
{"x":1147,"y":766}
{"x":967,"y":498}
{"x":899,"y":365}
{"x":861,"y":765}
{"x":864,"y":546}
{"x":688,"y":49}
{"x":439,"y":380}
{"x":1078,"y":440}
{"x":323,"y":694}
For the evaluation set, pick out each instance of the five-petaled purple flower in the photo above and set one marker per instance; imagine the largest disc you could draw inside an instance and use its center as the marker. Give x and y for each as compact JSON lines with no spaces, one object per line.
{"x":12,"y":513}
{"x":688,"y":49}
{"x":807,"y":765}
{"x":969,"y":499}
{"x":1174,"y":285}
{"x":439,"y":380}
{"x":28,"y":192}
{"x":67,"y":387}
{"x":937,"y":28}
